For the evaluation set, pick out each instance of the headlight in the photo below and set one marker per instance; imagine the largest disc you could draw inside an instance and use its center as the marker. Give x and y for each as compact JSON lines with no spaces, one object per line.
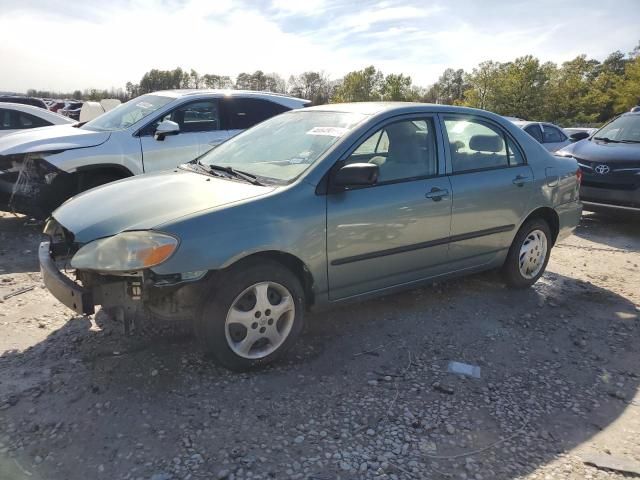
{"x":125,"y":252}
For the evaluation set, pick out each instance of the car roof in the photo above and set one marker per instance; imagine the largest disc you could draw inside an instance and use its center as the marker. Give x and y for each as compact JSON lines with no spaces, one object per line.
{"x":526,"y":123}
{"x":374,"y":108}
{"x":286,"y":100}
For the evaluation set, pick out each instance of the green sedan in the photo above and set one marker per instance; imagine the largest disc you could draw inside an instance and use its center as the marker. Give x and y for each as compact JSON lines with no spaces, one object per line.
{"x":308,"y":209}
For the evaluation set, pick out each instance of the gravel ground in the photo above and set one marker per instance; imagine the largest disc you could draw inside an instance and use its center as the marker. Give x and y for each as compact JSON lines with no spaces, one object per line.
{"x":364,"y":394}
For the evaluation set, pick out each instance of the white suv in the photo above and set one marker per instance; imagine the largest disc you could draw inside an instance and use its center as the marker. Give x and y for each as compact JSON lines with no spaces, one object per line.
{"x":42,"y":167}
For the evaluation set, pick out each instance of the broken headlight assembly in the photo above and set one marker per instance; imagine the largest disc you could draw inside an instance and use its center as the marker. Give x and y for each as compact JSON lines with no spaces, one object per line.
{"x":125,"y":252}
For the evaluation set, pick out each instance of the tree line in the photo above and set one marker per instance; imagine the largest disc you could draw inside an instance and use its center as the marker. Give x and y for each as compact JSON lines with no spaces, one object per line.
{"x":581,"y":91}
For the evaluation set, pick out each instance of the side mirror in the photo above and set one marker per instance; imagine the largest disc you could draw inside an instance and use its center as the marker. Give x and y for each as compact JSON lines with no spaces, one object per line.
{"x":356,"y":174}
{"x":576,"y":137}
{"x":166,"y":127}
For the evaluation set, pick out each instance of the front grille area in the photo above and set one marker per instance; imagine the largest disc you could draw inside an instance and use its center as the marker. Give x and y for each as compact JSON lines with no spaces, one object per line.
{"x":614,"y":165}
{"x":613,"y":185}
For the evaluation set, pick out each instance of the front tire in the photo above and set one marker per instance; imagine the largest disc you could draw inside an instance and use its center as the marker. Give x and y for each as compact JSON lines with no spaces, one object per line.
{"x":528,"y":255}
{"x":254,"y":315}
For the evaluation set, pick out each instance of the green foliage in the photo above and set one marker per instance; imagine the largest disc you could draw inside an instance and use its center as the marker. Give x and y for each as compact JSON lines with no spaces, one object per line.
{"x":396,"y":87}
{"x":314,"y":86}
{"x":360,"y":86}
{"x":581,"y":91}
{"x":93,"y":94}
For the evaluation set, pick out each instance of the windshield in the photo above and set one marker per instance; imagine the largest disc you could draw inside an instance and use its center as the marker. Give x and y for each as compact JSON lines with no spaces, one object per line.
{"x":284,"y":146}
{"x":125,"y":115}
{"x":623,"y":129}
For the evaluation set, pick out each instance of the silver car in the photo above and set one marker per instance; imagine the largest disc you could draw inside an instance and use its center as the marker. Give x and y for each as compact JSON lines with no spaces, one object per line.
{"x":312,"y":208}
{"x":549,"y":135}
{"x":41,"y":168}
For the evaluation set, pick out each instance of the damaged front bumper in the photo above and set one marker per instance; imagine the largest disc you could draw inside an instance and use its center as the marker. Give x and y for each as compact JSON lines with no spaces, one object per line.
{"x":68,"y":292}
{"x":168,"y":297}
{"x":30,"y":185}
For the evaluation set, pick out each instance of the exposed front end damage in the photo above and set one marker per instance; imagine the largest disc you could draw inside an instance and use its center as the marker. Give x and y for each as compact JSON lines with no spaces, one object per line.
{"x":127,"y":296}
{"x":30,"y":185}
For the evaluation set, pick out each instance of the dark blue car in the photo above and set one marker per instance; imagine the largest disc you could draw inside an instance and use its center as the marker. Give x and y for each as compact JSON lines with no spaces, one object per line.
{"x":610,"y":164}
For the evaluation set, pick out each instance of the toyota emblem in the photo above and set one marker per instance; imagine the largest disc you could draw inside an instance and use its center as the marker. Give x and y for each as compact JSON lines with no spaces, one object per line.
{"x":602,"y":169}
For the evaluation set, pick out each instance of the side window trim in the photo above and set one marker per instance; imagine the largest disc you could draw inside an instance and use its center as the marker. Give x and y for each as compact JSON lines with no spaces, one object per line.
{"x":483,"y":120}
{"x":375,"y":150}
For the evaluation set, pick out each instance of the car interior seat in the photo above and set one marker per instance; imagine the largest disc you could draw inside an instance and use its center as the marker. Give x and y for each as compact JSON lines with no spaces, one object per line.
{"x":408,"y":153}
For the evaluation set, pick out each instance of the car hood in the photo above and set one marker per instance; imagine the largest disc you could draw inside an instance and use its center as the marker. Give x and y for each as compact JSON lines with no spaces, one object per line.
{"x":52,"y":138}
{"x":595,"y":151}
{"x":147,"y":201}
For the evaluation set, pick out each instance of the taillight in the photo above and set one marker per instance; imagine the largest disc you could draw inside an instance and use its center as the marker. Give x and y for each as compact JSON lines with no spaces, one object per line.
{"x":579,"y":176}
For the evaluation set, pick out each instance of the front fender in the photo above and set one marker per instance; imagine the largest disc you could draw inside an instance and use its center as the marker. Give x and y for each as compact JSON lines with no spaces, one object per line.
{"x":121,"y":149}
{"x":291,"y":220}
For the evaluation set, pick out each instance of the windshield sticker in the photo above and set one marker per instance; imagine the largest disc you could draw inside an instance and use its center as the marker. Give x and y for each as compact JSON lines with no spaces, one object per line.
{"x":328,"y":131}
{"x":144,"y":105}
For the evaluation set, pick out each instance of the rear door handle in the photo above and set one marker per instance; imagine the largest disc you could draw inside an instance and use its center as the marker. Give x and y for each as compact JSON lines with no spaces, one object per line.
{"x":520,"y":180}
{"x":436,"y":194}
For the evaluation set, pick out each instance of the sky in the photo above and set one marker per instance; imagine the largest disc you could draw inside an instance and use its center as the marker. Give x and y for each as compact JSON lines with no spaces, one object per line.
{"x":65,"y":45}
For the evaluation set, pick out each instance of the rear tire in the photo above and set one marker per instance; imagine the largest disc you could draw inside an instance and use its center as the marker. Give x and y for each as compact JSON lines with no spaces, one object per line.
{"x":253,"y":316}
{"x":528,"y":255}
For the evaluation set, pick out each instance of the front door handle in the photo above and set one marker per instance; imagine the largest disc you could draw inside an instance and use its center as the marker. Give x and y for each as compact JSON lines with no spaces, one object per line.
{"x":436,"y":194}
{"x":520,"y":180}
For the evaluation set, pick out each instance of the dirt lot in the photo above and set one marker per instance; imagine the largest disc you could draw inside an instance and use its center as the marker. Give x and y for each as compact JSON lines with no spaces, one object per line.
{"x":365,"y":393}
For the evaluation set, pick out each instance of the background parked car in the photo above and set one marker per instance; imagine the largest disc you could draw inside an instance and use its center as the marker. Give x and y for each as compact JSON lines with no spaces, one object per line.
{"x":15,"y":117}
{"x":36,"y":102}
{"x":71,"y":110}
{"x":153,"y":132}
{"x":91,"y":110}
{"x":610,"y":164}
{"x":56,"y":105}
{"x":578,"y":133}
{"x":549,"y":135}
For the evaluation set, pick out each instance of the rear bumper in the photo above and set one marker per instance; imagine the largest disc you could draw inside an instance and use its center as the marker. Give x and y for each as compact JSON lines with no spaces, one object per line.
{"x":68,"y":292}
{"x":569,"y":215}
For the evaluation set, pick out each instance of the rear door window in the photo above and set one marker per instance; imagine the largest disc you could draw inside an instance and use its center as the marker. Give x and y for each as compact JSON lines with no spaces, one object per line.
{"x":243,"y":113}
{"x":552,"y":135}
{"x":534,"y":131}
{"x":26,"y":120}
{"x":475,"y":145}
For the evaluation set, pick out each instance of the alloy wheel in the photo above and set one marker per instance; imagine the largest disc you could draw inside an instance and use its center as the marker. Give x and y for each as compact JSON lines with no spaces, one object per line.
{"x":259,"y":320}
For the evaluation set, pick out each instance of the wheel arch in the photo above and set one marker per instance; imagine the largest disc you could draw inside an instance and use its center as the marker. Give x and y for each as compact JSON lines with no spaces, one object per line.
{"x":289,"y":261}
{"x":105,"y":168}
{"x":550,"y":216}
